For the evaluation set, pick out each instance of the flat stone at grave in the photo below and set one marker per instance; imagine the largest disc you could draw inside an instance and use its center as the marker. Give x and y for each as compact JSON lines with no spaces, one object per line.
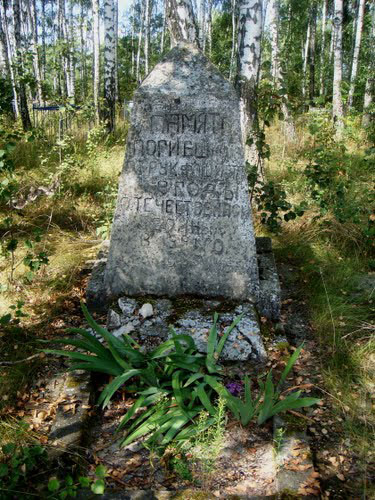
{"x":183,"y":222}
{"x":196,"y":319}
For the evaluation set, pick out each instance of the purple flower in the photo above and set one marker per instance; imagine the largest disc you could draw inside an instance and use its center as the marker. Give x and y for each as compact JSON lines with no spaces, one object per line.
{"x":234,"y":388}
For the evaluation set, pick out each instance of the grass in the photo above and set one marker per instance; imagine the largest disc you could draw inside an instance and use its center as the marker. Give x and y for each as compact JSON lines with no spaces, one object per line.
{"x":68,"y":222}
{"x":332,"y":258}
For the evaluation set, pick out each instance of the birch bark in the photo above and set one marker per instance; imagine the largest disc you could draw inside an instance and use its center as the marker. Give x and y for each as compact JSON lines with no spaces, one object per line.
{"x":337,"y":107}
{"x":273,"y":16}
{"x":24,"y":111}
{"x":357,"y":46}
{"x":109,"y":64}
{"x":370,"y":82}
{"x":249,"y":56}
{"x":96,"y":49}
{"x":140,"y":35}
{"x":322,"y":53}
{"x":147,"y":35}
{"x":31,"y":9}
{"x":181,"y":22}
{"x":232,"y":69}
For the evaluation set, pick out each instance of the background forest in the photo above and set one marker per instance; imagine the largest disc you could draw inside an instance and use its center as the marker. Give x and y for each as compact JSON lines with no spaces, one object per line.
{"x":68,"y":70}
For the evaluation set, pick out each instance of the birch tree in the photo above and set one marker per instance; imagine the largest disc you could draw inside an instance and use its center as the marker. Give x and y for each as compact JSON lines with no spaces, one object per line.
{"x":234,"y":40}
{"x":370,"y":81}
{"x":323,"y":43}
{"x":10,"y":53}
{"x":24,"y":111}
{"x":140,"y":35}
{"x":357,"y":46}
{"x":337,"y":107}
{"x":147,"y":34}
{"x":109,"y":64}
{"x":31,"y":8}
{"x":96,"y":49}
{"x":181,"y":22}
{"x":249,"y":56}
{"x":274,"y":9}
{"x":4,"y":60}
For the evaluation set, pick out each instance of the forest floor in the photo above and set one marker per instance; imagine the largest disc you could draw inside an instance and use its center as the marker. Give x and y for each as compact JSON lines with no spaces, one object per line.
{"x":326,"y":276}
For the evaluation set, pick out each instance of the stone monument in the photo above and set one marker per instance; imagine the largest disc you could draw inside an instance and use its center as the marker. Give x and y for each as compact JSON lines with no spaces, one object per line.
{"x":183,"y":224}
{"x":183,"y":221}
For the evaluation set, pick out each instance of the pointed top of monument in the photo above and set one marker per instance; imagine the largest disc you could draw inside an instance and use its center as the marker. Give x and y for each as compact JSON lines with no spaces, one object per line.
{"x":186,"y":70}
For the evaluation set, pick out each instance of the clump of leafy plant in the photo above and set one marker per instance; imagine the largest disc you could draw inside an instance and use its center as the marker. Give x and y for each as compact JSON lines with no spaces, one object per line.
{"x":17,"y":467}
{"x":174,"y":382}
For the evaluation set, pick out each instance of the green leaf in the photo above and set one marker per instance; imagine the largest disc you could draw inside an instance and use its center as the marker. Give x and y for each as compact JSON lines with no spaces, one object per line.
{"x":53,"y":484}
{"x":226,"y":334}
{"x":8,"y":449}
{"x":288,"y":367}
{"x":98,"y":487}
{"x":101,"y":471}
{"x":3,"y":470}
{"x":116,"y":383}
{"x":205,"y":400}
{"x":94,"y":363}
{"x":212,"y":338}
{"x":84,"y":481}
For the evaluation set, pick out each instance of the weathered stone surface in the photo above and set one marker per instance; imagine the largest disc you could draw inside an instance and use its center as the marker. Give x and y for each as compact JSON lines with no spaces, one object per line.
{"x":196,"y":319}
{"x":146,"y":311}
{"x":269,"y":302}
{"x":183,"y":221}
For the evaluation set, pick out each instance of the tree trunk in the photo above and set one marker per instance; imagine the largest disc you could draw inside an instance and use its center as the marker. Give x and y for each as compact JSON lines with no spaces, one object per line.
{"x":322,"y":53}
{"x":273,"y":17}
{"x":82,"y":51}
{"x":116,"y":49}
{"x":4,"y":60}
{"x":202,"y":25}
{"x":96,"y":52}
{"x":249,"y":56}
{"x":11,"y":57}
{"x":43,"y":3}
{"x":305,"y":59}
{"x":337,"y":108}
{"x":232,"y":71}
{"x":357,"y":46}
{"x":181,"y":22}
{"x":72,"y":66}
{"x":24,"y":111}
{"x":312,"y":56}
{"x":140,"y":34}
{"x":109,"y":64}
{"x":162,"y":41}
{"x":147,"y":35}
{"x":31,"y":9}
{"x":209,"y":27}
{"x":370,"y":82}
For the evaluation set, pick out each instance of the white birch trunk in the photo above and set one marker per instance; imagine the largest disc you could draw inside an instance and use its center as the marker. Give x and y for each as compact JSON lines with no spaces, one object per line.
{"x":273,"y":16}
{"x":24,"y":111}
{"x":96,"y":52}
{"x":305,"y":59}
{"x":162,"y":41}
{"x":337,"y":107}
{"x":109,"y":63}
{"x":116,"y":49}
{"x":11,"y":60}
{"x":209,"y":27}
{"x":249,"y":57}
{"x":31,"y":8}
{"x":147,"y":35}
{"x":357,"y":46}
{"x":322,"y":53}
{"x":202,"y":25}
{"x":140,"y":35}
{"x":4,"y":60}
{"x":234,"y":41}
{"x":370,"y":82}
{"x":181,"y":22}
{"x":71,"y":54}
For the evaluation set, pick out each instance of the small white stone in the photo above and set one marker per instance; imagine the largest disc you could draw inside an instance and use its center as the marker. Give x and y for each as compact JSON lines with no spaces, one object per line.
{"x":146,"y":311}
{"x":124,"y":330}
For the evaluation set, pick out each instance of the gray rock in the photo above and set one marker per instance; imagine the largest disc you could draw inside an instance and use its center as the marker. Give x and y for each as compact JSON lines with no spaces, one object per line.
{"x":127,"y":305}
{"x":183,"y":221}
{"x":113,"y":320}
{"x":269,"y":303}
{"x":146,"y":311}
{"x":123,"y":330}
{"x":244,"y":342}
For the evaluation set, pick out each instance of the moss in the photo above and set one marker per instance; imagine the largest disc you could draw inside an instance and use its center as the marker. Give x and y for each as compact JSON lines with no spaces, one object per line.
{"x":288,"y":494}
{"x":293,"y":424}
{"x":282,"y":346}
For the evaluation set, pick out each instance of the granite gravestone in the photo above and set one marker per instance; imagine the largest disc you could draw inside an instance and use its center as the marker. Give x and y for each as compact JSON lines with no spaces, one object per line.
{"x":183,"y":222}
